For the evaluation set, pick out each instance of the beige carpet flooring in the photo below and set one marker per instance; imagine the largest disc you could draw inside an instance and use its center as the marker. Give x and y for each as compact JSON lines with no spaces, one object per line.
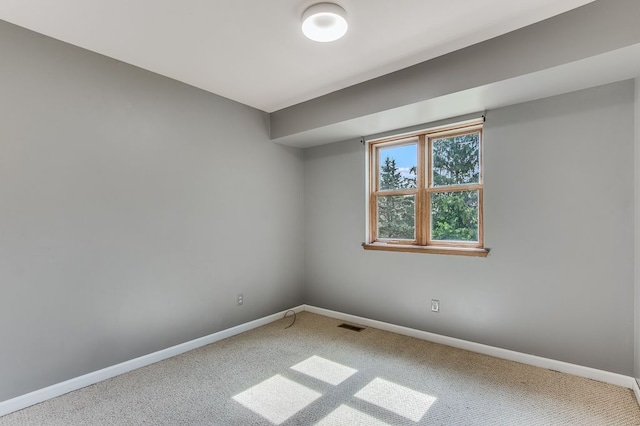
{"x":318,"y":373}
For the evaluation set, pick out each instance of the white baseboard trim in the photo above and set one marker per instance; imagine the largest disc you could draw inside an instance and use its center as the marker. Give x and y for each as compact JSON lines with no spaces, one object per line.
{"x":550,"y":364}
{"x":636,"y":390}
{"x":41,"y":395}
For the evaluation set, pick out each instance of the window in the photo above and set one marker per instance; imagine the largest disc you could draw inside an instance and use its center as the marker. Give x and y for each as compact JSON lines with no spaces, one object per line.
{"x":425,"y":192}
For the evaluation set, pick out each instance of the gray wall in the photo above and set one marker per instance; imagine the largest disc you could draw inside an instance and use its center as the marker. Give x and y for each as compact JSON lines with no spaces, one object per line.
{"x":133,"y":210}
{"x":559,"y":218}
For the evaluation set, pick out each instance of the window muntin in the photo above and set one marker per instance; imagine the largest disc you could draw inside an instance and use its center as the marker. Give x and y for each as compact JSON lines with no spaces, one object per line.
{"x":425,"y":189}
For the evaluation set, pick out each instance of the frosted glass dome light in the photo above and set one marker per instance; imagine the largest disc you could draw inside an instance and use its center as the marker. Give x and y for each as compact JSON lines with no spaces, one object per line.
{"x":324,"y":22}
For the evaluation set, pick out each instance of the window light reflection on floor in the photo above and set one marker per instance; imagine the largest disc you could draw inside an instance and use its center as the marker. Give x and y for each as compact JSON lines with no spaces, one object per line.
{"x":322,"y":369}
{"x":277,"y":398}
{"x":401,"y":400}
{"x":347,"y":416}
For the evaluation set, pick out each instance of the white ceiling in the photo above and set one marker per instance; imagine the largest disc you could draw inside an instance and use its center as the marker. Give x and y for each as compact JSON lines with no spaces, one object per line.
{"x":252,"y":51}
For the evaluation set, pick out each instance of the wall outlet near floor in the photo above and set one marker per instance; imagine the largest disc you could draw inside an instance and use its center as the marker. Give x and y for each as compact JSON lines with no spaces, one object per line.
{"x":240,"y":299}
{"x":435,"y":305}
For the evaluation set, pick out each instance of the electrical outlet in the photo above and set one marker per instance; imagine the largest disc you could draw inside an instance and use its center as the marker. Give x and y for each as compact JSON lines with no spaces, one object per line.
{"x":435,"y":305}
{"x":240,"y":299}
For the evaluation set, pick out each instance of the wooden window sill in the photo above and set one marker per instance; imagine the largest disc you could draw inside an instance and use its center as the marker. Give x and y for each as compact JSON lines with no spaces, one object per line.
{"x":458,"y":251}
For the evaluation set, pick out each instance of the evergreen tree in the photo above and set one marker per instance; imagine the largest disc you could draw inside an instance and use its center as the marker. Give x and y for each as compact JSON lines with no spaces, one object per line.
{"x":455,"y":160}
{"x":396,"y":213}
{"x":455,"y":214}
{"x":390,"y":176}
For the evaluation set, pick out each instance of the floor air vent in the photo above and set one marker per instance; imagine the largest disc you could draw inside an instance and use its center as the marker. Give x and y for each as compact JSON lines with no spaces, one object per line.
{"x":351,"y":327}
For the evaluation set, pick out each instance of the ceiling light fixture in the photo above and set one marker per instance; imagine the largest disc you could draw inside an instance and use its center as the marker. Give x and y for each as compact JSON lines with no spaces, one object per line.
{"x":324,"y":22}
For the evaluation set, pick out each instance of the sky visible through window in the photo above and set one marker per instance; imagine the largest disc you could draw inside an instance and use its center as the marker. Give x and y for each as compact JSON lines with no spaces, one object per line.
{"x":405,"y":156}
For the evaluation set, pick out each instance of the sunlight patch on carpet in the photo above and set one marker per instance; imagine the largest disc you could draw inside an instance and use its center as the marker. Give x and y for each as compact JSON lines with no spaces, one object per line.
{"x":276,"y":399}
{"x":325,"y":370}
{"x":398,"y":399}
{"x":347,"y":416}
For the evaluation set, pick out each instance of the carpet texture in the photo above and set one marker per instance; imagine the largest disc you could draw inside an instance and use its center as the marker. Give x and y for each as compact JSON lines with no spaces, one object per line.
{"x":318,"y":373}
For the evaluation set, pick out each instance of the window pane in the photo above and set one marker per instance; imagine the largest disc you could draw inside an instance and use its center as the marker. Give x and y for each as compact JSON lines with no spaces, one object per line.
{"x":398,"y":166}
{"x":397,"y":217}
{"x":456,"y":160}
{"x":454,"y":216}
